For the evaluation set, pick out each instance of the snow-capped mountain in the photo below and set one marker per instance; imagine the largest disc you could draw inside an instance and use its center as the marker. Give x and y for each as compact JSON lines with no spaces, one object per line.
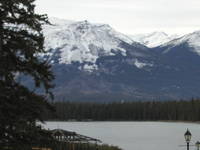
{"x":95,"y":62}
{"x":83,"y":41}
{"x":153,"y":39}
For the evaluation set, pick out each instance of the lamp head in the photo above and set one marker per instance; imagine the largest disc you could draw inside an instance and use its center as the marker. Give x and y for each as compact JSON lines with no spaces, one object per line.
{"x":197,"y":144}
{"x":188,"y":136}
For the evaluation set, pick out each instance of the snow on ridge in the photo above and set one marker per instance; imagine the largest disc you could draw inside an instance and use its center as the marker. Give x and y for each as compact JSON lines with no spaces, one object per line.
{"x":153,"y":39}
{"x":193,"y":40}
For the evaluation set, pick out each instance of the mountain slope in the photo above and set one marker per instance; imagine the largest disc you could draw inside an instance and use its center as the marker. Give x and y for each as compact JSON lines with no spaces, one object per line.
{"x":95,"y":61}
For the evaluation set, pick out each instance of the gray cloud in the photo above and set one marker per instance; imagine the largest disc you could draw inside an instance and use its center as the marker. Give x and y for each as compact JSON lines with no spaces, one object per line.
{"x":129,"y":16}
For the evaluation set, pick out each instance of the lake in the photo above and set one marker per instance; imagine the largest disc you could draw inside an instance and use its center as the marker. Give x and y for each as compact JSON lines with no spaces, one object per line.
{"x":135,"y":135}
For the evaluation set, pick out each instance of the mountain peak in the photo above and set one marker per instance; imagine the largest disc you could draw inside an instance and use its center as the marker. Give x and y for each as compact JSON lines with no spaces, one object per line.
{"x":158,"y":33}
{"x":153,"y":39}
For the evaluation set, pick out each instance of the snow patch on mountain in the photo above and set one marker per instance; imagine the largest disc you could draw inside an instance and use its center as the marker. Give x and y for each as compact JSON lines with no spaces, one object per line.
{"x":90,"y":68}
{"x":141,"y":65}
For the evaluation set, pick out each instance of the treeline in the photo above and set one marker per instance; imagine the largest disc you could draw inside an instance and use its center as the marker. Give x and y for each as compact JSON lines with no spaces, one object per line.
{"x":126,"y":111}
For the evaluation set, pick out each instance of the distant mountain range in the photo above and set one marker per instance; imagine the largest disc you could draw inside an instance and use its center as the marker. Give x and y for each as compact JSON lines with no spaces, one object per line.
{"x":93,"y":62}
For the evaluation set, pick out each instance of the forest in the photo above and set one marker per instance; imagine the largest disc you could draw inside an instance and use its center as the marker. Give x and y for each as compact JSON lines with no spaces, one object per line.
{"x":181,"y":110}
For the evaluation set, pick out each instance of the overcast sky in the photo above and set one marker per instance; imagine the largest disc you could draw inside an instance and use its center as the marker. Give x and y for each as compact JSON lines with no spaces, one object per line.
{"x":129,"y":16}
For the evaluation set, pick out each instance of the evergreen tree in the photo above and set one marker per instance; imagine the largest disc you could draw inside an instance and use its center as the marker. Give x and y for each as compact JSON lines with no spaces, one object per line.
{"x":21,"y":43}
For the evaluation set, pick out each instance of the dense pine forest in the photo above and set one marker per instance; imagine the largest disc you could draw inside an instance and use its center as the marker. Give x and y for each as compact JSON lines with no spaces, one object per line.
{"x":126,"y":111}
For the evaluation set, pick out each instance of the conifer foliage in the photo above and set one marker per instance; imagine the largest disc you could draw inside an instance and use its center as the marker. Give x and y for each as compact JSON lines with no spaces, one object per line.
{"x":21,"y":44}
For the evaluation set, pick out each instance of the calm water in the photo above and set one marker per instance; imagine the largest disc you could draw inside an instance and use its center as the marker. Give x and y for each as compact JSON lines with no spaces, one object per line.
{"x":135,"y":135}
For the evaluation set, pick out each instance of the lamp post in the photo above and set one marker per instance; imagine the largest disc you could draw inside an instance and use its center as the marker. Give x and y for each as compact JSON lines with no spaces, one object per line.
{"x":188,"y":137}
{"x":197,"y":144}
